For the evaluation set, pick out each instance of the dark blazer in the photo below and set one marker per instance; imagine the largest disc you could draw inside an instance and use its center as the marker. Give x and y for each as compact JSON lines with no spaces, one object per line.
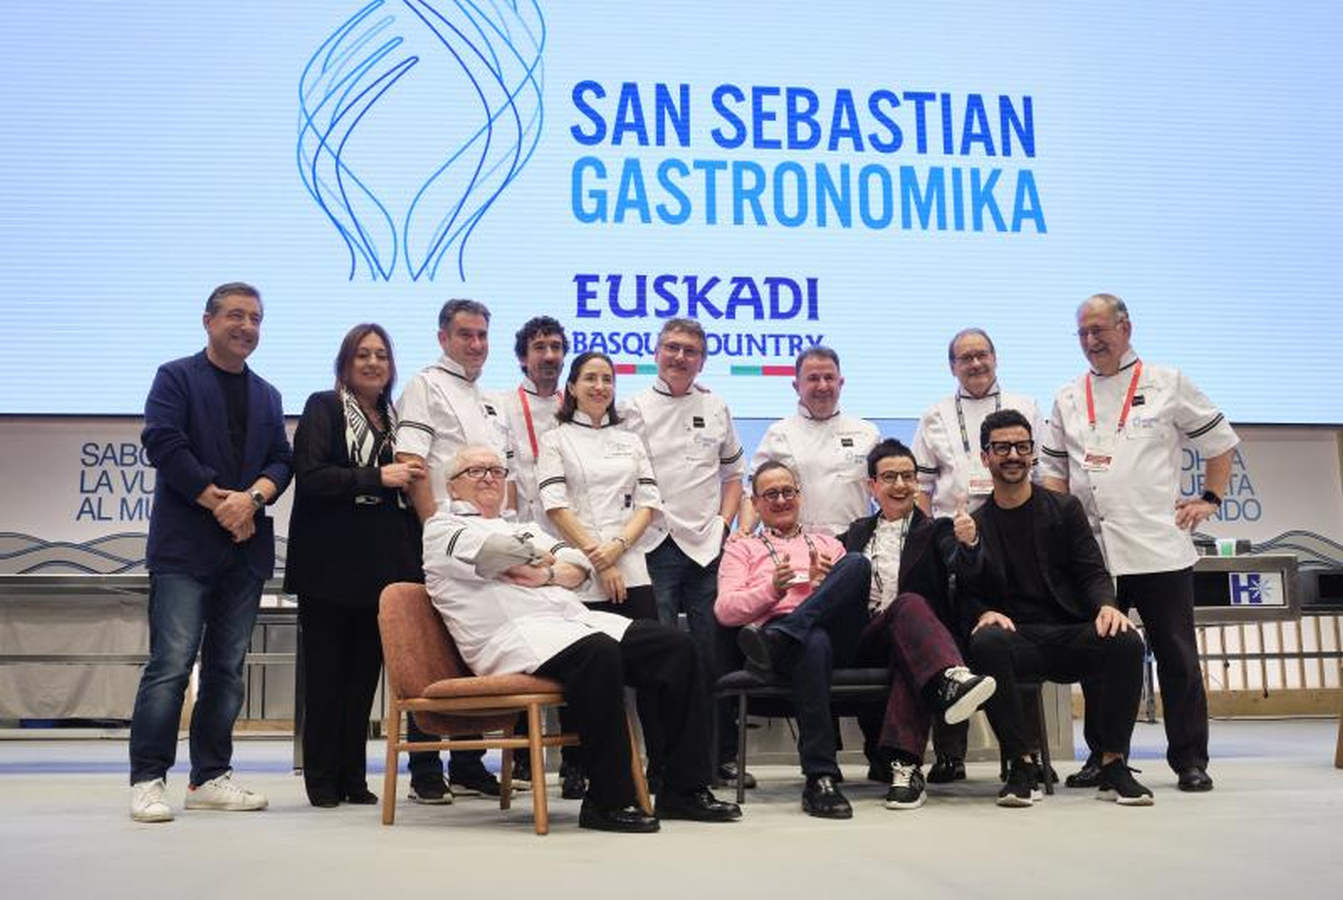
{"x":187,"y":440}
{"x":1069,"y":558}
{"x":348,"y":536}
{"x":930,"y":556}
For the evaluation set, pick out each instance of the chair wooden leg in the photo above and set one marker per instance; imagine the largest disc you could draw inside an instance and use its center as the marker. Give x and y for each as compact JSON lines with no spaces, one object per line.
{"x":392,"y":725}
{"x":637,"y":766}
{"x":505,"y":778}
{"x":741,"y":747}
{"x":1044,"y":738}
{"x":539,"y":811}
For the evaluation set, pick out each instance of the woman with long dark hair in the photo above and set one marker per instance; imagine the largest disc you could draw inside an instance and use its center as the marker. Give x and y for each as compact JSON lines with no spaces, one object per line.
{"x":351,"y":533}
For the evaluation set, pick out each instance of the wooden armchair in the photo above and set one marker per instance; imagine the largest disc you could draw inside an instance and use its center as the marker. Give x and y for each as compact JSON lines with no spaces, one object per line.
{"x":427,"y":678}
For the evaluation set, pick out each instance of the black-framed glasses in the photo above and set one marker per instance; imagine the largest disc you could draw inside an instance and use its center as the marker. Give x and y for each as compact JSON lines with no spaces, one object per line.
{"x":774,"y":495}
{"x":967,"y":359}
{"x":909,"y":476}
{"x":478,"y":473}
{"x":1003,"y":448}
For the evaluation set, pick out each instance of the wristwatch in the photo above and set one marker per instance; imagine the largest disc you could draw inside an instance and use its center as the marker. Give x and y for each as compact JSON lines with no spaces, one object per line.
{"x":258,"y":499}
{"x":1211,"y":497}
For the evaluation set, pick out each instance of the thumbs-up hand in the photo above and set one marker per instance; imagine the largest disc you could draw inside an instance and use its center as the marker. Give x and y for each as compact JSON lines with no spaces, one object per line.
{"x":783,"y":575}
{"x":819,"y":567}
{"x":966,"y":532}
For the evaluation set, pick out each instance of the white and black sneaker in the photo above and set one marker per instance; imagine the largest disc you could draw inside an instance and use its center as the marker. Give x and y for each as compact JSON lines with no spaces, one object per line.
{"x":432,"y":790}
{"x":961,"y":692}
{"x":907,"y":788}
{"x":1023,"y":786}
{"x":1118,"y":784}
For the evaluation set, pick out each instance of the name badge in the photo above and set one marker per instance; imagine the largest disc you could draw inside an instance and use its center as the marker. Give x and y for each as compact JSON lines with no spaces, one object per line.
{"x":1098,"y":452}
{"x":980,"y":482}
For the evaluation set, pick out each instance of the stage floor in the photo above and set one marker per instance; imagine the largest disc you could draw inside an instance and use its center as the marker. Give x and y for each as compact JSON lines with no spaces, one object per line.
{"x":1273,"y":825}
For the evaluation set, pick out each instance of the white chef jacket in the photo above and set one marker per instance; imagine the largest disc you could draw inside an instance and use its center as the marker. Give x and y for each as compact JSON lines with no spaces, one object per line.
{"x":542,"y":411}
{"x":945,"y":466}
{"x":502,"y":628}
{"x":602,"y":475}
{"x":694,"y":449}
{"x":440,"y":412}
{"x":830,"y":458}
{"x":1131,"y":506}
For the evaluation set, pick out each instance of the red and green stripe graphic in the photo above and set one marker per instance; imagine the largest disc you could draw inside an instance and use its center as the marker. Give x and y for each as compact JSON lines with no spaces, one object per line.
{"x":762,"y":370}
{"x":632,"y":369}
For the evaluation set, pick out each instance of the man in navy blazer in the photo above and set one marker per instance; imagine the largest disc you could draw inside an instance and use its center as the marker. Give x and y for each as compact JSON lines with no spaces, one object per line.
{"x":215,"y":433}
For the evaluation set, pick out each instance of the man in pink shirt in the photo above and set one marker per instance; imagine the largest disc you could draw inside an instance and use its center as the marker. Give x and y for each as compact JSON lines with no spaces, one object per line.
{"x":804,"y":603}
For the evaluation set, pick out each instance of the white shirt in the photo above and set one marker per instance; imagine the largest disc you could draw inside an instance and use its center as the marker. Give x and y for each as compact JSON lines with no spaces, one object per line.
{"x":830,"y":458}
{"x":541,"y":409}
{"x":947,"y":467}
{"x":883,"y":551}
{"x":694,"y":450}
{"x":440,"y":412}
{"x":602,"y":475}
{"x":502,"y":628}
{"x":1131,"y":504}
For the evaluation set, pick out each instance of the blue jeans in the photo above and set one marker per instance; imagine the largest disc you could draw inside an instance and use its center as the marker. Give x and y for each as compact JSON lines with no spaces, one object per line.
{"x":826,"y":627}
{"x":682,"y":585}
{"x":182,"y":608}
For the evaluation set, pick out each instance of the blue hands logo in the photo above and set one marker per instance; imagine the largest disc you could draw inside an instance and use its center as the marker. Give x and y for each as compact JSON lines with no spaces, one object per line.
{"x":380,"y":149}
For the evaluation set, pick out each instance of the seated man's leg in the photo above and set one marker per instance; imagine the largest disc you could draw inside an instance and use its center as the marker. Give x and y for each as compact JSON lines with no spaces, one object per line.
{"x":1112,"y":666}
{"x":590,"y":670}
{"x":666,"y":663}
{"x":810,"y":670}
{"x":839,"y":603}
{"x":1009,"y":655}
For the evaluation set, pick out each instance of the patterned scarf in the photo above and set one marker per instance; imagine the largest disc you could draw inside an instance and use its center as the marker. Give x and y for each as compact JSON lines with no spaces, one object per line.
{"x":364,"y":444}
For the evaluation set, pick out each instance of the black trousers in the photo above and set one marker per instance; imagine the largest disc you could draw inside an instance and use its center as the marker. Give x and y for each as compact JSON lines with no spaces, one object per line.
{"x":342,"y":654}
{"x":639,"y":605}
{"x":659,"y":662}
{"x":1061,"y":653}
{"x":1165,"y":600}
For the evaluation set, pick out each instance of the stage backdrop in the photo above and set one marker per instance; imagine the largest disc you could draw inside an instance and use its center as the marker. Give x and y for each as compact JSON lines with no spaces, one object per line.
{"x":874,"y":175}
{"x":79,"y":497}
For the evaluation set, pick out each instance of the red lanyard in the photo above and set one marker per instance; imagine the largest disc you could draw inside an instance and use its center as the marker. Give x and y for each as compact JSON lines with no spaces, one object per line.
{"x":1128,"y":399}
{"x":527,"y":417}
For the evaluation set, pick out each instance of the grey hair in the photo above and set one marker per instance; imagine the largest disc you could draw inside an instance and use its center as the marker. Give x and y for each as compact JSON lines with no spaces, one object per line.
{"x":689,"y":326}
{"x":1112,"y":303}
{"x":816,"y":351}
{"x":468,"y":307}
{"x":966,"y":332}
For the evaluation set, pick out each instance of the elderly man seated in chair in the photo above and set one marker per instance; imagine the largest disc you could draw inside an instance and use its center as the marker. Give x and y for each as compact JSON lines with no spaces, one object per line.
{"x":506,"y":592}
{"x":807,"y":608}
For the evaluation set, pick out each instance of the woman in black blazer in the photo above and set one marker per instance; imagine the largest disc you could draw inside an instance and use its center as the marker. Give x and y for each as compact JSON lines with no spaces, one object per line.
{"x":351,"y":533}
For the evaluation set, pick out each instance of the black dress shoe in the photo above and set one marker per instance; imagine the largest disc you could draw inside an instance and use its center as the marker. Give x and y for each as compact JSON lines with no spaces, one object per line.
{"x":947,"y":769}
{"x":822,"y":799}
{"x":629,"y":819}
{"x":1195,"y":779}
{"x":573,"y":783}
{"x":727,"y":773}
{"x":1089,"y":776}
{"x":360,"y":795}
{"x":323,"y":801}
{"x":698,"y":806}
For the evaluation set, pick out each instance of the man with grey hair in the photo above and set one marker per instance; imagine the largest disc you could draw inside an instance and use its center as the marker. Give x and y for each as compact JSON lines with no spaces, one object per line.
{"x":827,"y":448}
{"x":506,"y":592}
{"x":952,"y":475}
{"x":1114,"y":440}
{"x":442,"y":410}
{"x":698,"y":462}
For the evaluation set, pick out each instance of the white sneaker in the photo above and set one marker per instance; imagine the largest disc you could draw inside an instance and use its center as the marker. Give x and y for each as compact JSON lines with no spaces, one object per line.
{"x":148,"y":803}
{"x":223,"y":792}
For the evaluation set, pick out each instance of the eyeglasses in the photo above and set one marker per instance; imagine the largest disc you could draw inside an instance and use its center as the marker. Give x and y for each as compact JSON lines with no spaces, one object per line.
{"x":675,"y":348}
{"x":967,"y":359}
{"x":895,"y":477}
{"x":478,"y":473}
{"x":774,"y":495}
{"x":1002,"y":448}
{"x":1094,"y":331}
